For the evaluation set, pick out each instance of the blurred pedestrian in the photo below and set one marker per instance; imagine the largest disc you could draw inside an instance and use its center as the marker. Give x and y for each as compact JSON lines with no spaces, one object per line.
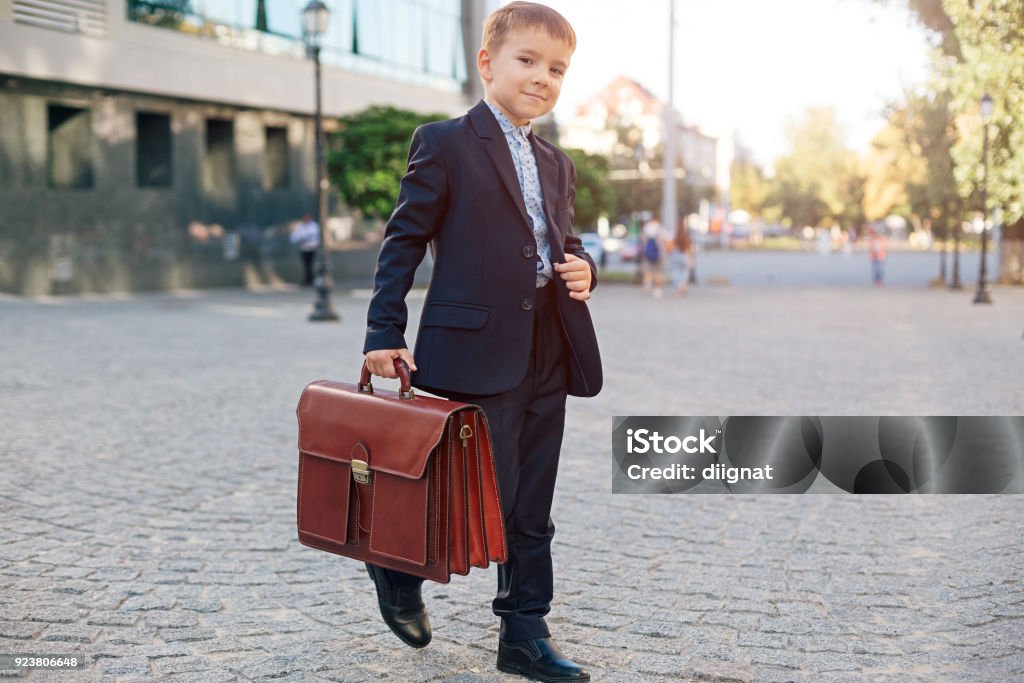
{"x":680,"y":256}
{"x":652,"y":255}
{"x":877,"y":253}
{"x":306,"y":235}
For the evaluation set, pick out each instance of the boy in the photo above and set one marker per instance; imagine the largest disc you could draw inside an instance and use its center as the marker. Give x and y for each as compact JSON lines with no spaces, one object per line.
{"x":505,"y":324}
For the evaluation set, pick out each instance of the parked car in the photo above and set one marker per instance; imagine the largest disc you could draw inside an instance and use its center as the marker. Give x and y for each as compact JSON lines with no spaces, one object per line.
{"x":630,"y":249}
{"x":592,"y":243}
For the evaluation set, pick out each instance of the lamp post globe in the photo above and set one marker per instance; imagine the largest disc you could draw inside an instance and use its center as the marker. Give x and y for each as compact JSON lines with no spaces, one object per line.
{"x":314,"y":22}
{"x":984,"y":295}
{"x":315,"y":16}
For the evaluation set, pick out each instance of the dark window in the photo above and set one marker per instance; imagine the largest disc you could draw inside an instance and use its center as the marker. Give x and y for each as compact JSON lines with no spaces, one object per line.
{"x":275,"y":159}
{"x":153,"y":150}
{"x":219,"y":163}
{"x":69,"y":147}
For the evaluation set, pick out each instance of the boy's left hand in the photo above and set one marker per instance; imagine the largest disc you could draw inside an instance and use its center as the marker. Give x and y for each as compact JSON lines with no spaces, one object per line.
{"x":576,"y":273}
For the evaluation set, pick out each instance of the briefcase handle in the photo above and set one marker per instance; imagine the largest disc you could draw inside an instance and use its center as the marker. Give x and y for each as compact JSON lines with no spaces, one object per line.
{"x":405,"y":391}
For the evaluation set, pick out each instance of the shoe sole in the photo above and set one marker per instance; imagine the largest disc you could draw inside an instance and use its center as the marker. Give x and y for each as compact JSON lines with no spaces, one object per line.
{"x":510,"y":668}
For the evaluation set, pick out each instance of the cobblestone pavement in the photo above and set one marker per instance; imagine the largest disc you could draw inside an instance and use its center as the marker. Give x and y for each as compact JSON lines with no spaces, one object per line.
{"x":147,"y":500}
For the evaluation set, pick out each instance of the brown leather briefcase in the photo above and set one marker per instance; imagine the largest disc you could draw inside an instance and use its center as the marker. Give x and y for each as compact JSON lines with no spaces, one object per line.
{"x":397,"y":480}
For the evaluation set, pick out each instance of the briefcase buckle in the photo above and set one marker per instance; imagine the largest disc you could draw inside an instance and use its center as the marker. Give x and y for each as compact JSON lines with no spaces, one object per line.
{"x":466,"y":433}
{"x":361,"y":472}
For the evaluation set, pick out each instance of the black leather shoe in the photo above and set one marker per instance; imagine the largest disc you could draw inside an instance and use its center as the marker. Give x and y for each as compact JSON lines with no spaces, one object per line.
{"x":539,"y":659}
{"x":402,"y":608}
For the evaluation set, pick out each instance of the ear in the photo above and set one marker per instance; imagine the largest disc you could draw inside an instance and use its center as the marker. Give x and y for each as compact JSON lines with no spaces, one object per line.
{"x":483,"y":64}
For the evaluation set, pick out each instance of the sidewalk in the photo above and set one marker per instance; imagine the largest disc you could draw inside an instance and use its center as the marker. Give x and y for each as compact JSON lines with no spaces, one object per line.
{"x":148,"y":497}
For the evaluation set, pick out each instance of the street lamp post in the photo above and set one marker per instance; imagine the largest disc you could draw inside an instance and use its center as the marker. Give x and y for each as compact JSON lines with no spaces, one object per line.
{"x":314,"y":24}
{"x":955,"y":284}
{"x":983,"y":295}
{"x":640,"y":154}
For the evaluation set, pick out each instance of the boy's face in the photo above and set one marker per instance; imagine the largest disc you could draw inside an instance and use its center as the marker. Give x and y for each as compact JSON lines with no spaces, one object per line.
{"x":524,"y":77}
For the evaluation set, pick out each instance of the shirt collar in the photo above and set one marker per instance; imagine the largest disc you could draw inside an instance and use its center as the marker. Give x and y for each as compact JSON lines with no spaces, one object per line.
{"x":506,"y":125}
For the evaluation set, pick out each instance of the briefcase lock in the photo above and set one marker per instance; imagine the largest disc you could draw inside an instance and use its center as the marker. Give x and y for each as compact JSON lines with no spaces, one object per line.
{"x":361,"y":472}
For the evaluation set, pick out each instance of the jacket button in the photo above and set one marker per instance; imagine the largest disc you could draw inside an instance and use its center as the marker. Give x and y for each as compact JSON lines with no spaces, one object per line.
{"x":527,"y":304}
{"x":529,"y":251}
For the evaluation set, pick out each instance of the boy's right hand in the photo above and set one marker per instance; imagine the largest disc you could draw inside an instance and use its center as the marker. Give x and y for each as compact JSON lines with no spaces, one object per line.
{"x":381,"y":361}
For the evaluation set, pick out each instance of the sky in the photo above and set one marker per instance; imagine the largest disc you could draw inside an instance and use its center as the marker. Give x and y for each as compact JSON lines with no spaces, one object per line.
{"x":747,"y":65}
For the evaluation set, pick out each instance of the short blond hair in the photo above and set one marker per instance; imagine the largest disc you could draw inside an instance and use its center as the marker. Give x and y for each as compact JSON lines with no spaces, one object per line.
{"x":516,"y":16}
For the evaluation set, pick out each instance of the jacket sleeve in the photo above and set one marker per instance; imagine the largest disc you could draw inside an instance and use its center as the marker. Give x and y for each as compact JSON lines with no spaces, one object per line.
{"x":573,"y":245}
{"x":419,"y":211}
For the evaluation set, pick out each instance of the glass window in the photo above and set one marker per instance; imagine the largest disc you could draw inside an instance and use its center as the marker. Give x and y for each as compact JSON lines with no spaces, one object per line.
{"x":219,"y":161}
{"x":153,"y":150}
{"x":69,"y":161}
{"x":275,"y":159}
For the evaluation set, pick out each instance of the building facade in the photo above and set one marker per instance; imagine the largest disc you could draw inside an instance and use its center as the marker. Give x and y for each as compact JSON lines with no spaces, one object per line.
{"x":150,"y":144}
{"x":608,"y":122}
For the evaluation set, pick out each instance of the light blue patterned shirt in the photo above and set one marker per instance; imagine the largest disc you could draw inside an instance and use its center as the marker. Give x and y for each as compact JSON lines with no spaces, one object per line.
{"x":529,"y":182}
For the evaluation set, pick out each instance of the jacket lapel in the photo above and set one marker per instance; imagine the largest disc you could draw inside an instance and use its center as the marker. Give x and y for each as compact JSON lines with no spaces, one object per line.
{"x":547,"y":171}
{"x":487,"y":129}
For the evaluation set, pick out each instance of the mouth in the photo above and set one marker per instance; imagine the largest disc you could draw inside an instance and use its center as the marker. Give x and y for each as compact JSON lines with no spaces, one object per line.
{"x":536,"y":97}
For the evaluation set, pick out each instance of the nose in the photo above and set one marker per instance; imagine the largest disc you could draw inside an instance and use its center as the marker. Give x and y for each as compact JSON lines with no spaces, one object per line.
{"x":541,"y":78}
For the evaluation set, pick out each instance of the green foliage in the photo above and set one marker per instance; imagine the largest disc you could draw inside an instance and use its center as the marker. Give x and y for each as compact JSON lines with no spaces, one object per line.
{"x":749,"y":189}
{"x":595,"y":196}
{"x":991,"y":38}
{"x":818,"y":182}
{"x":368,"y":155}
{"x":910,"y":170}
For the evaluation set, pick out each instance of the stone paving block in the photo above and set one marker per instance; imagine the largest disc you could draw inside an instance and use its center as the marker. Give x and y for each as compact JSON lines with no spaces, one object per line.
{"x":146,"y":603}
{"x":20,"y":630}
{"x":659,"y":629}
{"x":661,"y":665}
{"x":201,"y":605}
{"x":125,"y":666}
{"x":167,"y":666}
{"x":718,"y":672}
{"x":816,"y":643}
{"x":758,"y":639}
{"x":69,"y":633}
{"x":773,"y":657}
{"x":112,"y":618}
{"x":186,"y":635}
{"x":129,"y":636}
{"x":219,"y":645}
{"x":360,"y":676}
{"x":175,"y":650}
{"x":784,"y":625}
{"x":165,"y":619}
{"x":54,"y":615}
{"x":212,"y":676}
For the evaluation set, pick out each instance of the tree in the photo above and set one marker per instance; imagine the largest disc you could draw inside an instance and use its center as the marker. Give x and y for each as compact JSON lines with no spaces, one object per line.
{"x":367,"y":156}
{"x":819,"y":182}
{"x":991,"y":38}
{"x":910,"y":170}
{"x":595,"y":196}
{"x":749,"y":189}
{"x":982,"y":50}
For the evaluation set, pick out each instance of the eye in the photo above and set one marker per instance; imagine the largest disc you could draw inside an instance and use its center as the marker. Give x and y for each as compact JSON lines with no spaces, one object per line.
{"x":558,"y":71}
{"x":525,"y":60}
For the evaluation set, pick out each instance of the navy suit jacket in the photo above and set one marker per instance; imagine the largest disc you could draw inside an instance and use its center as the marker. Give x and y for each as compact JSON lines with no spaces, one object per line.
{"x":461,"y":196}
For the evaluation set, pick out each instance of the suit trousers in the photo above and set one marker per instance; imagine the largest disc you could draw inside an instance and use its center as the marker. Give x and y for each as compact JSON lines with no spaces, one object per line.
{"x":526,"y":425}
